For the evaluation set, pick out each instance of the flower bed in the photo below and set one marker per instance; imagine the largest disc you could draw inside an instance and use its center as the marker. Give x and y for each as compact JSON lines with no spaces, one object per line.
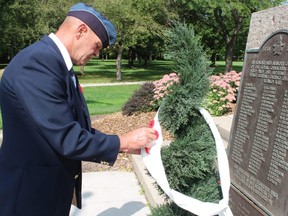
{"x":222,"y":95}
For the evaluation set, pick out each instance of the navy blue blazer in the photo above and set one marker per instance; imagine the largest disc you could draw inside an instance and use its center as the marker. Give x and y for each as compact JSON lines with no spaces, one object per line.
{"x":46,"y":135}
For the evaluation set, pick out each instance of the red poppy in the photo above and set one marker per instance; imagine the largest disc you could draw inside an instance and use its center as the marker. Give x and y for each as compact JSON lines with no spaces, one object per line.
{"x":81,"y":89}
{"x":151,"y":125}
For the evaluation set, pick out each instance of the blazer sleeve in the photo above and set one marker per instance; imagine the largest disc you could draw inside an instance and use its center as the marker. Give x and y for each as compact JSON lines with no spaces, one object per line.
{"x":42,"y":90}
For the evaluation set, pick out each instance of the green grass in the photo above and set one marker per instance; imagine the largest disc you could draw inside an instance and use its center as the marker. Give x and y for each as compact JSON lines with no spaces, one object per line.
{"x":220,"y":67}
{"x":98,"y":71}
{"x":107,"y":99}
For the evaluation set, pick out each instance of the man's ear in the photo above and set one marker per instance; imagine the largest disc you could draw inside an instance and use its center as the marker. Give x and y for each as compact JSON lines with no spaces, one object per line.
{"x":82,"y":29}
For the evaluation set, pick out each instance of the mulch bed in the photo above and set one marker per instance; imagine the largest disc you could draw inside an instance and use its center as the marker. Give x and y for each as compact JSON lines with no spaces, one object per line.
{"x":117,"y":123}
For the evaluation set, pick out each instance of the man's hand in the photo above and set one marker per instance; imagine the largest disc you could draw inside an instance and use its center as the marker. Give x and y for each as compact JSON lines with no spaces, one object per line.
{"x":133,"y":141}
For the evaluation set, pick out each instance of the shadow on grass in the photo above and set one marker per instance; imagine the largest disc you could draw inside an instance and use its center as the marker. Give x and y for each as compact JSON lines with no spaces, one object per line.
{"x":107,"y":70}
{"x":220,"y":69}
{"x":155,"y":70}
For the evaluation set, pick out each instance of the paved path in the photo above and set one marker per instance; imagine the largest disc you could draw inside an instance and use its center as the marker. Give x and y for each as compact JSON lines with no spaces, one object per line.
{"x":111,"y":194}
{"x":111,"y":84}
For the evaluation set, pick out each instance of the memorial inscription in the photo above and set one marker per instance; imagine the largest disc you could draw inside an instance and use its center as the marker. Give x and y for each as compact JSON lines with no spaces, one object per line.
{"x":259,"y":136}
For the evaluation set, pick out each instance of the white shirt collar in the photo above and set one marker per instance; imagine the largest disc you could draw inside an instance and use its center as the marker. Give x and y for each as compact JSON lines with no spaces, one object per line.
{"x":63,"y":51}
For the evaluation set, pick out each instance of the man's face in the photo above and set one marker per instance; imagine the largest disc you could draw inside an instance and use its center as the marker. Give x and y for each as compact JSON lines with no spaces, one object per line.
{"x":87,"y":46}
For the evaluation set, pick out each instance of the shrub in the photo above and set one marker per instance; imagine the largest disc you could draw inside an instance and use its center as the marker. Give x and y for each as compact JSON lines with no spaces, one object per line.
{"x":223,"y":93}
{"x":150,"y":95}
{"x":141,"y":100}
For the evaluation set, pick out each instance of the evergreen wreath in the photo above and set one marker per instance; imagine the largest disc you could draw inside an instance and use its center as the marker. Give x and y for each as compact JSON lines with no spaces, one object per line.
{"x":190,"y":161}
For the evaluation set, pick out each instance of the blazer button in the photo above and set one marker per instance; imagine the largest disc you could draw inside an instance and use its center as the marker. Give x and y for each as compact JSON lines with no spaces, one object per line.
{"x":76,"y":176}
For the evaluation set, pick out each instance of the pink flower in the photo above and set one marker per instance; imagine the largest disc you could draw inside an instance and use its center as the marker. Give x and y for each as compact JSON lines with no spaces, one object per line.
{"x":230,"y":97}
{"x":223,"y":90}
{"x":162,"y":86}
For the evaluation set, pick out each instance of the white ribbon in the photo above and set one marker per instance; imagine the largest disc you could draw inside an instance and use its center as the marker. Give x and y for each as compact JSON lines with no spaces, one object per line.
{"x":154,"y":165}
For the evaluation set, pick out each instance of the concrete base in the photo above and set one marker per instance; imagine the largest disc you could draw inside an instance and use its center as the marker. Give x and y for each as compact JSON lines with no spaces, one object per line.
{"x":147,"y":182}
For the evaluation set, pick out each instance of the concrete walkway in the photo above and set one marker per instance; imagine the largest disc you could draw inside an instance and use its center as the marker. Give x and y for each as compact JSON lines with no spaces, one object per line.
{"x":111,"y":194}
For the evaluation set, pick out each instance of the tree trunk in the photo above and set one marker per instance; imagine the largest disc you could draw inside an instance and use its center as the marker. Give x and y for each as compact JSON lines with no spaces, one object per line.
{"x":229,"y":57}
{"x":118,"y":63}
{"x":131,"y":58}
{"x":230,"y":45}
{"x":213,"y":59}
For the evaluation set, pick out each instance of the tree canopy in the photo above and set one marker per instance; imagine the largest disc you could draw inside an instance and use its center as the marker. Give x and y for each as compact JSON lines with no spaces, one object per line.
{"x":23,"y":22}
{"x":141,"y":25}
{"x":221,"y":23}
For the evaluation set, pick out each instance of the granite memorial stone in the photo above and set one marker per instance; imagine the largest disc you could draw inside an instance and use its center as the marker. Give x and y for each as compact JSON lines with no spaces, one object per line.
{"x":259,"y":136}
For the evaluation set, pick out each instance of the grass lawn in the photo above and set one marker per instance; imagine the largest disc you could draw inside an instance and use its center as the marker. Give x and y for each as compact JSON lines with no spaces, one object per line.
{"x":108,"y":99}
{"x":98,"y":71}
{"x":220,"y":67}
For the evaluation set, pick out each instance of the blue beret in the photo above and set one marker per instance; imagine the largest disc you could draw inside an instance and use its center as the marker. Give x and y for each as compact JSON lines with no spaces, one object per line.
{"x":100,"y":25}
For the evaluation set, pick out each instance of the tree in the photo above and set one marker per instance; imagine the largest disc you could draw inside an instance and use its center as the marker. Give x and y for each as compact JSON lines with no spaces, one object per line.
{"x":23,"y":22}
{"x":19,"y":25}
{"x":136,"y":22}
{"x":151,"y":37}
{"x":221,"y":21}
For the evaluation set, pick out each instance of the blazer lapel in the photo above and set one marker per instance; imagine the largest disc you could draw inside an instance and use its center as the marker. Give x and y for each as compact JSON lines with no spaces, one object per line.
{"x":77,"y":102}
{"x":84,"y":105}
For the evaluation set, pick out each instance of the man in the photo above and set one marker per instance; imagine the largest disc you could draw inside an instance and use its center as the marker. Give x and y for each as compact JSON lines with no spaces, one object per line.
{"x":46,"y":124}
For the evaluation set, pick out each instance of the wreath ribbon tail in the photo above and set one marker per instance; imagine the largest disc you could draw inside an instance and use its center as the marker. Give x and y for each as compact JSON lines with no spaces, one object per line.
{"x":154,"y":165}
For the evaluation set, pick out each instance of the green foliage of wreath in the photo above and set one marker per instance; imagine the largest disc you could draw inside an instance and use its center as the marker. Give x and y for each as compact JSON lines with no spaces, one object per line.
{"x":190,"y":161}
